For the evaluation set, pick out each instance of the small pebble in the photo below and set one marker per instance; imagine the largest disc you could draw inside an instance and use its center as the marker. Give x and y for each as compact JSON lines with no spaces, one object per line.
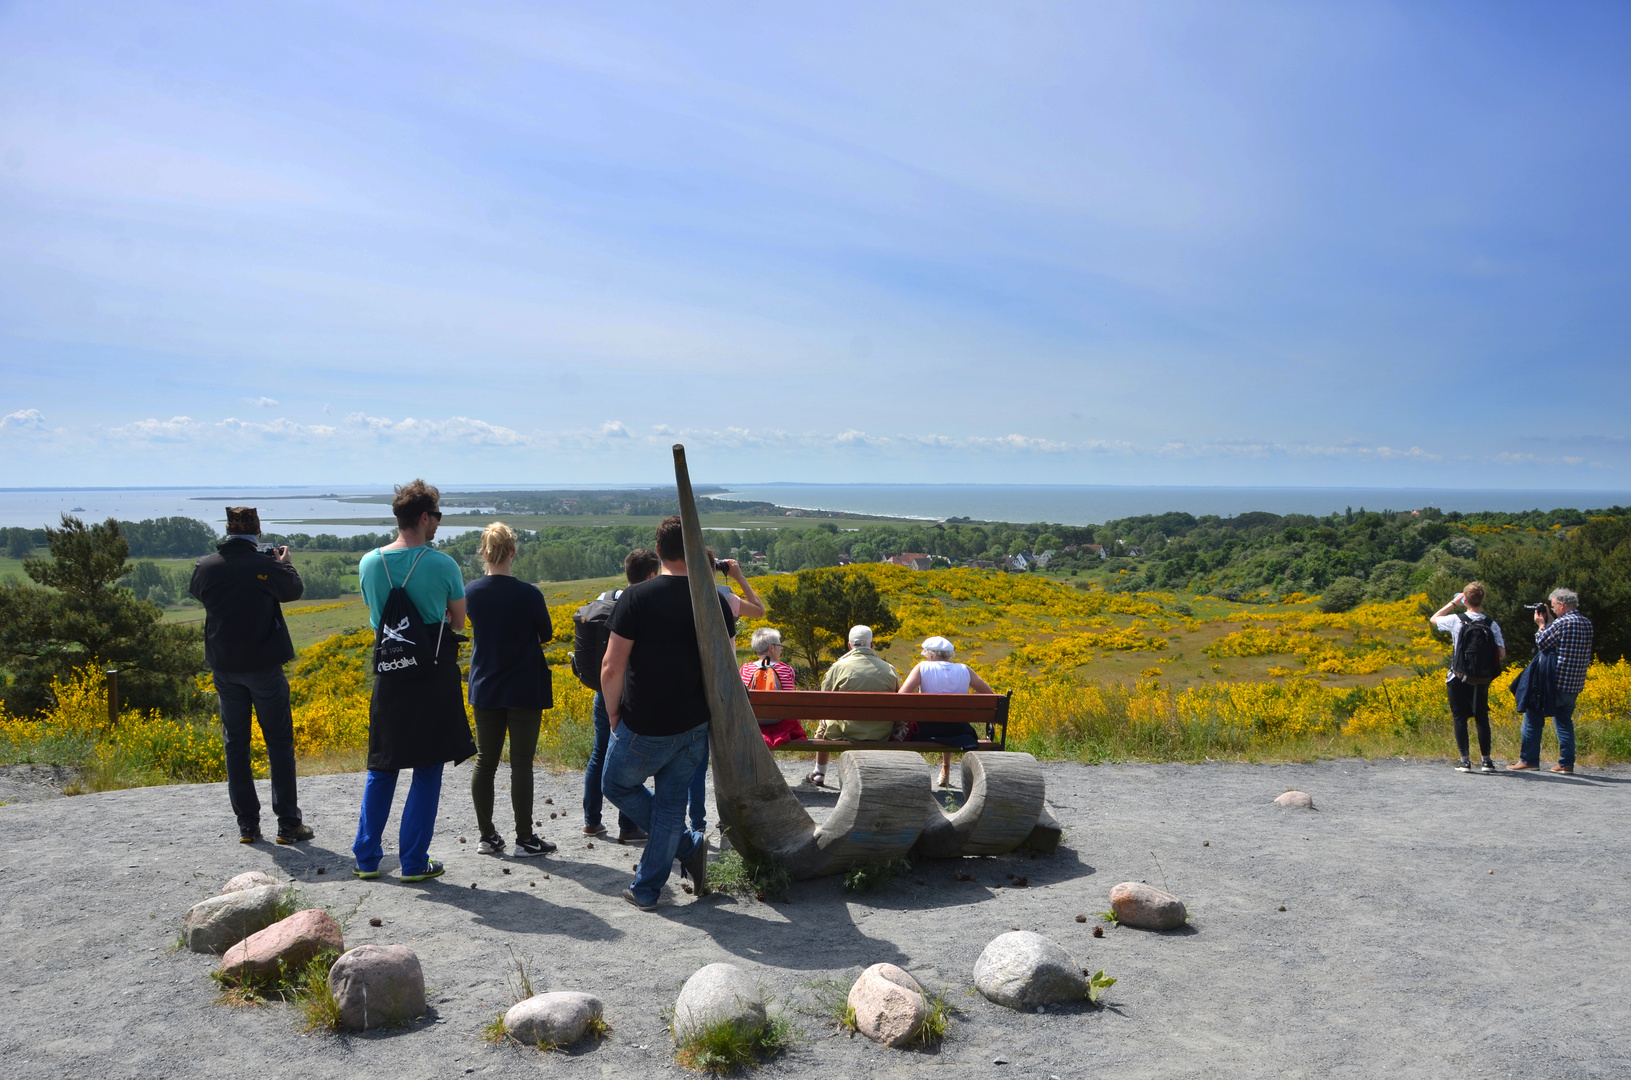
{"x":322,"y":869}
{"x":1206,"y":843}
{"x":376,"y":921}
{"x":506,"y":869}
{"x":590,"y":844}
{"x":1021,"y":882}
{"x":999,"y":1061}
{"x":1492,"y":871}
{"x":544,"y":876}
{"x":552,"y":815}
{"x":534,"y":884}
{"x":538,"y":823}
{"x":472,"y":884}
{"x":551,"y":802}
{"x":1282,"y":907}
{"x":1013,"y":928}
{"x":1081,"y":918}
{"x":1098,"y":931}
{"x":462,"y":840}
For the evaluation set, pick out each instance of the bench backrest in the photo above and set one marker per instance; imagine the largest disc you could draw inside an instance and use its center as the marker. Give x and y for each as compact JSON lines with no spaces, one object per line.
{"x":880,"y":706}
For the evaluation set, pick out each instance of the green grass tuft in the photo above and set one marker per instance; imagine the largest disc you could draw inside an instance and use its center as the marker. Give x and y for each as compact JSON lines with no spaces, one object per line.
{"x":937,"y":1021}
{"x":1097,"y":984}
{"x":725,"y":1048}
{"x":1110,"y":917}
{"x":739,"y":876}
{"x":495,"y":1032}
{"x":867,"y":877}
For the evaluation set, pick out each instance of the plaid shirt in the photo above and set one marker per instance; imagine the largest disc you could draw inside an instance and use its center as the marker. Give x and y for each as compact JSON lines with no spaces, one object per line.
{"x":1569,"y":639}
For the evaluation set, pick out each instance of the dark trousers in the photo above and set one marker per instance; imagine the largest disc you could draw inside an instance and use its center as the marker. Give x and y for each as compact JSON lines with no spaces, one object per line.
{"x":491,"y":725}
{"x":1469,"y":701}
{"x":267,"y":694}
{"x":593,"y":799}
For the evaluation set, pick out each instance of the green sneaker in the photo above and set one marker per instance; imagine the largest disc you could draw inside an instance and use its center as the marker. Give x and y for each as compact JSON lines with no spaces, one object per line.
{"x":435,"y":869}
{"x":365,"y":874}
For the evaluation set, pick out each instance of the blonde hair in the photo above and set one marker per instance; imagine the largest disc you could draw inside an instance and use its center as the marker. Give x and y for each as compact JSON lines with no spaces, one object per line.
{"x":1473,"y":594}
{"x":497,"y":544}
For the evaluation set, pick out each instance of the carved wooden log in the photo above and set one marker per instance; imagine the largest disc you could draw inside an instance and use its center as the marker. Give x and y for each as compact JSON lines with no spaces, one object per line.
{"x":885,"y":805}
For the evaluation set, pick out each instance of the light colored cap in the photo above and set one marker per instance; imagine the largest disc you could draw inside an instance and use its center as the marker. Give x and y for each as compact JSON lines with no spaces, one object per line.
{"x":939,"y":644}
{"x":860,"y":635}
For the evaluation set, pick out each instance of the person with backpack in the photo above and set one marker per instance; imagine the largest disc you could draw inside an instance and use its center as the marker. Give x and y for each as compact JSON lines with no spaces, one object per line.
{"x":509,"y":688}
{"x":589,"y":634}
{"x":1477,"y":654}
{"x":416,"y":718}
{"x":769,"y":673}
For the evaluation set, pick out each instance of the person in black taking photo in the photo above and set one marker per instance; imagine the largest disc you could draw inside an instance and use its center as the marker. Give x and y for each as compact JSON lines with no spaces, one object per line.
{"x":509,"y":687}
{"x":1477,"y":653}
{"x":246,"y":644}
{"x":589,"y":636}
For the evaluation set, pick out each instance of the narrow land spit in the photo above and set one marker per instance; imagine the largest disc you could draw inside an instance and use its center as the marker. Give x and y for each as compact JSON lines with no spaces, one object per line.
{"x":1398,"y":953}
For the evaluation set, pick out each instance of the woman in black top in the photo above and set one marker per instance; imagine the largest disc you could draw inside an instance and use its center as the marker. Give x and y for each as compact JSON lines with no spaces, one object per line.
{"x":509,"y":687}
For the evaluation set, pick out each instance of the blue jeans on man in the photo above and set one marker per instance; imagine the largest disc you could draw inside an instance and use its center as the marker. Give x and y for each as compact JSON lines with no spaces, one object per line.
{"x":671,"y":761}
{"x":1534,"y":726}
{"x":418,"y":819}
{"x":593,"y":798}
{"x":267,"y":694}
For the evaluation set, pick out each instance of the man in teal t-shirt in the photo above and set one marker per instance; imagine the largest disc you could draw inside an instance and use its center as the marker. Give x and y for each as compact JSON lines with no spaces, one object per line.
{"x":436,"y":587}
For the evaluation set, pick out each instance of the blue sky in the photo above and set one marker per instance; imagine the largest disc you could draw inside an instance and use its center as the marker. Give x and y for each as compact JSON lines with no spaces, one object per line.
{"x":1243,"y":243}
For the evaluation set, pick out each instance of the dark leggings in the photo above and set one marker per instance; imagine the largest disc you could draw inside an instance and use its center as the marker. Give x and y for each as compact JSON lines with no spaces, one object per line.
{"x":491,"y":724}
{"x":1468,"y":700}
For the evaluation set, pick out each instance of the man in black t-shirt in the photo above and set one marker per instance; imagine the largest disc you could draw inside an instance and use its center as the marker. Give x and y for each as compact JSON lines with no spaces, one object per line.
{"x":659,"y":718}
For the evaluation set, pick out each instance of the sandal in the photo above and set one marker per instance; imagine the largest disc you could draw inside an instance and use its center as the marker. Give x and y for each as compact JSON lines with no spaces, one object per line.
{"x":816,"y":779}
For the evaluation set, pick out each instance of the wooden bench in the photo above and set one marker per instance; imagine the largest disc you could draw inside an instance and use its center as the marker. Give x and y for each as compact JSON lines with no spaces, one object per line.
{"x":988,"y":709}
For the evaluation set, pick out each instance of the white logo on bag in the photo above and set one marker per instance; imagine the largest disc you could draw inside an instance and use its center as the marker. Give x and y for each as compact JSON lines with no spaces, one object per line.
{"x":392,"y":665}
{"x":394,"y":633}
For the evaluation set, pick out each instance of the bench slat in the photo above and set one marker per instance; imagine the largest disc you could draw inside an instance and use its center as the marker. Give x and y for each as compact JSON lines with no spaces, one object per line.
{"x":877,"y":707}
{"x":848,"y":744}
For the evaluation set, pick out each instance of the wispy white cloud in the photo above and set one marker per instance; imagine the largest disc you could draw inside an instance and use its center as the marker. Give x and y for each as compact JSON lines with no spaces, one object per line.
{"x":23,"y":420}
{"x":261,"y":402}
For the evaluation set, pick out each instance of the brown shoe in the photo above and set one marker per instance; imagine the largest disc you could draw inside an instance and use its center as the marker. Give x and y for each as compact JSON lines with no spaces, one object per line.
{"x":1566,"y":770}
{"x":1518,"y":766}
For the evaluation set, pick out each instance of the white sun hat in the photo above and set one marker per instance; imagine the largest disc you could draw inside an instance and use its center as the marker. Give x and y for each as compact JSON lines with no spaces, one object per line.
{"x":938,"y":644}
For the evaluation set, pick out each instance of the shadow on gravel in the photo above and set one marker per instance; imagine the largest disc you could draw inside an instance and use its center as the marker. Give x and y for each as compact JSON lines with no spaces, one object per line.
{"x":842,"y":943}
{"x":516,"y":912}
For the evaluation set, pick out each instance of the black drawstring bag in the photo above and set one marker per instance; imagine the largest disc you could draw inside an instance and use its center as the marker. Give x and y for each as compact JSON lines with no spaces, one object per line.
{"x":403,"y":644}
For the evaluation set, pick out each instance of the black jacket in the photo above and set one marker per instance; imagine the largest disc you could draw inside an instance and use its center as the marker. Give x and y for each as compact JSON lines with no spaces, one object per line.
{"x":241,"y":591}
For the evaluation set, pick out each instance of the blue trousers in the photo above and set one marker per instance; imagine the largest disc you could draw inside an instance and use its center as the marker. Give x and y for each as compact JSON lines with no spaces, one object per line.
{"x":698,"y":799}
{"x":418,"y":818}
{"x":1534,"y":726}
{"x":593,"y":799}
{"x":267,"y":693}
{"x":671,"y":762}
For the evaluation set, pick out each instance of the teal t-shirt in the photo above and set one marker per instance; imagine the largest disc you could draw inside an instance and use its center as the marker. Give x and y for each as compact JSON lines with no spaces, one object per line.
{"x":434,"y":581}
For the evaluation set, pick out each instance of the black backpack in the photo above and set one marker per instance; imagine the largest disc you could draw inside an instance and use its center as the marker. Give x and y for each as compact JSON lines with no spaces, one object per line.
{"x":1477,"y":659}
{"x":590,"y":632}
{"x":403,"y":644}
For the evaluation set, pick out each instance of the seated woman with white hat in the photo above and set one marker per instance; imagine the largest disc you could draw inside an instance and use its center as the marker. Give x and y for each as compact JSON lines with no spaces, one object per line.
{"x":937,"y":673}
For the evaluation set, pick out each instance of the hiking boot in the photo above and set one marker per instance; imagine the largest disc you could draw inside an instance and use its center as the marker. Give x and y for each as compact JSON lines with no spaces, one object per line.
{"x":628,"y":894}
{"x":491,"y":845}
{"x":532,"y":846}
{"x":1488,"y":767}
{"x":250,"y":836}
{"x":696,"y":868}
{"x":1566,"y":770}
{"x":297,"y":835}
{"x":635,"y":835}
{"x":594,"y":830}
{"x":435,"y":869}
{"x":1465,"y":766}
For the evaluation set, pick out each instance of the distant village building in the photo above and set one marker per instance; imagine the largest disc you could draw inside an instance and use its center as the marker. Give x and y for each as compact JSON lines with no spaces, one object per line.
{"x":981,"y":564}
{"x":912,"y":560}
{"x":794,"y":513}
{"x":1135,"y":552}
{"x":1044,"y":558}
{"x":1018,"y":562}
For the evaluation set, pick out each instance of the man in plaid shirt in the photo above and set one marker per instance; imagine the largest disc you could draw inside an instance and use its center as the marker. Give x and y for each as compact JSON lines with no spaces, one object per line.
{"x":1568,"y":640}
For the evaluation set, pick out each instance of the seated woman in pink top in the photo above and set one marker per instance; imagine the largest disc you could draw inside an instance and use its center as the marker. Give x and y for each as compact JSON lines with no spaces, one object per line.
{"x":769,"y":673}
{"x":938,"y":674}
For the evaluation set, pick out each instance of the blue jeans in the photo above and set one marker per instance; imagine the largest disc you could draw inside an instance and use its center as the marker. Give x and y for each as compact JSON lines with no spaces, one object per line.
{"x":592,"y":796}
{"x":1534,"y":726}
{"x":698,"y":798}
{"x":671,"y":761}
{"x":268,"y":693}
{"x":418,"y":818}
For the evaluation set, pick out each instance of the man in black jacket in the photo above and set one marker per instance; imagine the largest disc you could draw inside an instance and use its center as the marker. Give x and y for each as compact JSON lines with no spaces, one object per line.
{"x":246,"y":644}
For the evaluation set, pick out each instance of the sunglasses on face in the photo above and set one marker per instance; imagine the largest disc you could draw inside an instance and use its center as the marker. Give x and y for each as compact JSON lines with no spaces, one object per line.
{"x":437,"y":514}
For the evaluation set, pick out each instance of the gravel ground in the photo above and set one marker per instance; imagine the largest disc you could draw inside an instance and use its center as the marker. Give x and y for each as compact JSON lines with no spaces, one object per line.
{"x":1399,"y":952}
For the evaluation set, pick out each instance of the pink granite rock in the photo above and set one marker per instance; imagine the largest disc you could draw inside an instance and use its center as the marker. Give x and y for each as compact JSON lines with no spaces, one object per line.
{"x":288,"y":944}
{"x":1146,"y":907}
{"x":889,"y":1005}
